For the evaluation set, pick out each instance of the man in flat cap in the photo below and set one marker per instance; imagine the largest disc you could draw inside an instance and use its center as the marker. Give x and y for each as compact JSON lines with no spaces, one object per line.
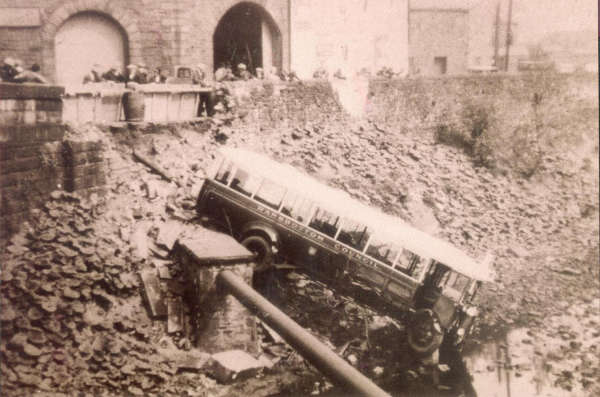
{"x":142,"y":73}
{"x":94,"y":76}
{"x":114,"y":74}
{"x":242,"y":73}
{"x":8,"y":71}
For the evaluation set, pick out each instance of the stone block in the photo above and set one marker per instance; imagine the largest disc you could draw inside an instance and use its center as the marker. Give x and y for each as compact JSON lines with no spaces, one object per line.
{"x":83,"y":158}
{"x":86,"y":170}
{"x":209,"y":247}
{"x":234,"y":365}
{"x":85,"y":182}
{"x":20,"y":165}
{"x":30,"y":91}
{"x":49,"y":105}
{"x":154,"y":294}
{"x":83,"y":146}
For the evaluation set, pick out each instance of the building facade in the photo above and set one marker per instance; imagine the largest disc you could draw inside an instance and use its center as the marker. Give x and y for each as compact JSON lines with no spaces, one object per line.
{"x":67,"y":37}
{"x":438,"y":38}
{"x":349,"y":35}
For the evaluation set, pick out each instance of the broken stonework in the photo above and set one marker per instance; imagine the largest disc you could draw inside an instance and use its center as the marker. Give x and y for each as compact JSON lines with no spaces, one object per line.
{"x":221,"y":321}
{"x":234,"y":365}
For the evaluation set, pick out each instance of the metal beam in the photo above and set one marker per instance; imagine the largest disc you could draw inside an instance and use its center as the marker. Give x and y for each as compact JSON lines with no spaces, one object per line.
{"x":327,"y":362}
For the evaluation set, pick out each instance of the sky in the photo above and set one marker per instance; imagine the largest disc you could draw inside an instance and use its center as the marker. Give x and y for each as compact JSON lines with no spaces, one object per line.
{"x":534,"y":19}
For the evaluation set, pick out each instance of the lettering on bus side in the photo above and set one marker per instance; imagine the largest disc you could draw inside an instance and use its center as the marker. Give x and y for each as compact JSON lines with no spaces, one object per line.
{"x":289,"y":223}
{"x":358,"y":257}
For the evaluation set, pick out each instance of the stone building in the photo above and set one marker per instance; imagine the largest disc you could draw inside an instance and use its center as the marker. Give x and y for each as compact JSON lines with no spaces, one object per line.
{"x":439,"y":37}
{"x":349,"y":35}
{"x":67,"y":37}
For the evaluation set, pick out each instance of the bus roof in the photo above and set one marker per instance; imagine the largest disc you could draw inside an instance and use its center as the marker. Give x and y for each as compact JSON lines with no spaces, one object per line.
{"x":340,"y":203}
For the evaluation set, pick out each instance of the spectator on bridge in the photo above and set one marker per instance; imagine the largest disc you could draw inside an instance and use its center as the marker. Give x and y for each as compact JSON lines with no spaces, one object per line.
{"x":243,"y":73}
{"x":339,"y":75}
{"x":260,"y":73}
{"x":134,"y":76}
{"x":94,"y":76}
{"x":27,"y":76}
{"x":158,"y":77}
{"x":275,"y":75}
{"x":114,"y":74}
{"x":221,"y":73}
{"x":142,"y":73}
{"x":199,"y":75}
{"x":320,"y":73}
{"x":8,"y":71}
{"x":292,"y":76}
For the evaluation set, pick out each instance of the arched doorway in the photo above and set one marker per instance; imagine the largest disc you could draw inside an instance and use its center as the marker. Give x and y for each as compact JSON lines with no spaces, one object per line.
{"x":86,"y":39}
{"x":247,"y":34}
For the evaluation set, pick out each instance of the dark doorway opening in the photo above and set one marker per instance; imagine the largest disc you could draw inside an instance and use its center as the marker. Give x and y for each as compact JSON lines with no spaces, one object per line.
{"x":247,"y":34}
{"x":440,"y":65}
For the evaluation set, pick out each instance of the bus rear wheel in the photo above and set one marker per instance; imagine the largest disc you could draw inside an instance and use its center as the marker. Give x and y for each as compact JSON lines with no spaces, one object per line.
{"x":260,"y":247}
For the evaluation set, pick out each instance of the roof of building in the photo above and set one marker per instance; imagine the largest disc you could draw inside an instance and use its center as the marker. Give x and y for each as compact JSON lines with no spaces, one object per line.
{"x":343,"y":205}
{"x":441,"y":5}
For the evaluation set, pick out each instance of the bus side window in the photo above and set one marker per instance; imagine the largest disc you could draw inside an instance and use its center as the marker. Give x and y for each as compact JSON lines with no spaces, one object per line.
{"x":325,"y":222}
{"x":224,"y":172}
{"x":244,"y":183}
{"x":270,"y":194}
{"x":354,"y":234}
{"x":383,"y":250}
{"x":296,"y":206}
{"x":409,"y":262}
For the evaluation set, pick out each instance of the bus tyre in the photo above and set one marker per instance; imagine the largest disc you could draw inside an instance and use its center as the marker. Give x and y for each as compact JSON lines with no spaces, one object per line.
{"x":259,"y":246}
{"x":423,"y":337}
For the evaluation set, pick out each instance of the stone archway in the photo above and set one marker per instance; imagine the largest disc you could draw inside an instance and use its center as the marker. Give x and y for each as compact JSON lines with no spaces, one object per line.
{"x":274,"y":13}
{"x":247,"y":34}
{"x":110,"y":9}
{"x":86,"y":39}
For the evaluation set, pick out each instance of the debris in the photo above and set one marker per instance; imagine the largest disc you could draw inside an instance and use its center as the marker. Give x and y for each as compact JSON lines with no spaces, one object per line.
{"x":274,"y":336}
{"x":193,"y":360}
{"x":154,"y":294}
{"x":175,"y":321}
{"x":168,"y":234}
{"x":155,"y":167}
{"x":234,"y":365}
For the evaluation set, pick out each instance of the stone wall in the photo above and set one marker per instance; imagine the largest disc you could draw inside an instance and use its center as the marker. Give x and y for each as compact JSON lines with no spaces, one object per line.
{"x":419,"y":103}
{"x":35,"y":160}
{"x":294,"y":105}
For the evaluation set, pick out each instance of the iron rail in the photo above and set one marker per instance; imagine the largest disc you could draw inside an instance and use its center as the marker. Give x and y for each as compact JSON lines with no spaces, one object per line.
{"x":327,"y":362}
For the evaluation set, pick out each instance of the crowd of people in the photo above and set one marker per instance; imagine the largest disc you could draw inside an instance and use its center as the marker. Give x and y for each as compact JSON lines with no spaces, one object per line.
{"x":134,"y":73}
{"x":13,"y":72}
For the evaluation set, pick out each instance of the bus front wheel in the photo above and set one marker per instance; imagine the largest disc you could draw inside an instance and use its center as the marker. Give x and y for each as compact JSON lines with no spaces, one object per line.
{"x":423,"y":336}
{"x":260,"y":247}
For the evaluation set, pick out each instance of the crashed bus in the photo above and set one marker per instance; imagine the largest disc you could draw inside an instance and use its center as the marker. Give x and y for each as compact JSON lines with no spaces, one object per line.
{"x":275,"y":210}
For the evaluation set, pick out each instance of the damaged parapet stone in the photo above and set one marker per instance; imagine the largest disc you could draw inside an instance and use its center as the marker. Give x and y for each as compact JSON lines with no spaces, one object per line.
{"x":221,"y":322}
{"x":234,"y":365}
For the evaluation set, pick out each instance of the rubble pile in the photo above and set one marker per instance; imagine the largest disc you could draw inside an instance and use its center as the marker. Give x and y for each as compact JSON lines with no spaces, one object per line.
{"x":543,"y":232}
{"x":60,"y":280}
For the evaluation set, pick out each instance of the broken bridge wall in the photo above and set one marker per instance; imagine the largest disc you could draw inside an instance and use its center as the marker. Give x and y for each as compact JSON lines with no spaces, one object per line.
{"x":34,"y":157}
